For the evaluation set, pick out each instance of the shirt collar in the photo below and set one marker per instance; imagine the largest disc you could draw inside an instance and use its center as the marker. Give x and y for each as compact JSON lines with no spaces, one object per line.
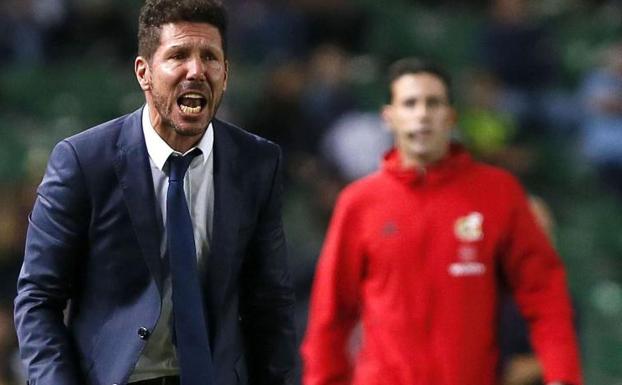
{"x":159,"y":150}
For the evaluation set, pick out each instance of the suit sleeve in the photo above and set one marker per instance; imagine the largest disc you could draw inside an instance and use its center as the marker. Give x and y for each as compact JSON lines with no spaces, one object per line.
{"x":267,"y":307}
{"x":54,"y":242}
{"x":537,"y":279}
{"x":335,"y":297}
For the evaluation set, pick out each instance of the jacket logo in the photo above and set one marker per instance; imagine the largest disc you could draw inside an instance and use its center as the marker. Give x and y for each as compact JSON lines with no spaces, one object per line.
{"x":468,"y":264}
{"x":469,"y":227}
{"x":389,"y":228}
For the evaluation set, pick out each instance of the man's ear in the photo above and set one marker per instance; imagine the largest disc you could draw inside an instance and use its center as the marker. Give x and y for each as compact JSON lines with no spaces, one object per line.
{"x":224,"y":88}
{"x":386,"y":113}
{"x":453,"y":117}
{"x":143,"y":73}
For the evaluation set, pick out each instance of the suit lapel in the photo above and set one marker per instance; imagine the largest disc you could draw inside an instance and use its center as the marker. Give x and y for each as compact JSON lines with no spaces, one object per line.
{"x":134,"y":172}
{"x":226,"y":217}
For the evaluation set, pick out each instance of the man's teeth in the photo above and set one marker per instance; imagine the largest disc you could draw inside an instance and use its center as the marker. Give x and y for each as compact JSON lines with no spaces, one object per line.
{"x":191,"y":103}
{"x":190,"y":110}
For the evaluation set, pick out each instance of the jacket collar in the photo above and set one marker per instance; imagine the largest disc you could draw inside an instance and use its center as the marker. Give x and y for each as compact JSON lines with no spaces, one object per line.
{"x":133,"y":170}
{"x":227,"y":198}
{"x":456,"y":160}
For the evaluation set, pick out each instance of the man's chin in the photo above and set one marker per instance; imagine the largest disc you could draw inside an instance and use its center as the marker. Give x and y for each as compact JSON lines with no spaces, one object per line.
{"x":190,"y":131}
{"x":191,"y":127}
{"x":418,"y":151}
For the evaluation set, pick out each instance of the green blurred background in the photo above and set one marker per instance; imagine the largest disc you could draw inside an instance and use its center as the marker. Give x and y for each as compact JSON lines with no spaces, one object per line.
{"x":310,"y":75}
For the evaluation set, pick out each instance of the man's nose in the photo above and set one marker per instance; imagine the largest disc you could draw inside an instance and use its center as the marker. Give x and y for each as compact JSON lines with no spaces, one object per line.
{"x":421,"y":110}
{"x":196,"y":69}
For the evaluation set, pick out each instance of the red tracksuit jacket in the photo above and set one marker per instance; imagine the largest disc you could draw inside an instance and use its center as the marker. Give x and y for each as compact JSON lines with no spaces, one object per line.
{"x":418,"y":258}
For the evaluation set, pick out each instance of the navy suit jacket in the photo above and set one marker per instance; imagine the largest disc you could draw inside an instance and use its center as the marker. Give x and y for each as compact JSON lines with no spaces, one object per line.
{"x":94,"y":242}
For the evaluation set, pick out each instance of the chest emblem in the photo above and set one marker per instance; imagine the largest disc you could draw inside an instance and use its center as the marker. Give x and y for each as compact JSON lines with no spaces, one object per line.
{"x":469,"y":227}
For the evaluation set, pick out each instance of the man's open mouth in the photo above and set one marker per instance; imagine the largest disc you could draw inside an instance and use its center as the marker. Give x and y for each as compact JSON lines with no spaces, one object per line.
{"x":191,"y":103}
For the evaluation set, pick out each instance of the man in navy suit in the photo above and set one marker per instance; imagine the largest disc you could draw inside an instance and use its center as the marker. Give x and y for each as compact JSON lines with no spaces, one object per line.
{"x":101,"y":299}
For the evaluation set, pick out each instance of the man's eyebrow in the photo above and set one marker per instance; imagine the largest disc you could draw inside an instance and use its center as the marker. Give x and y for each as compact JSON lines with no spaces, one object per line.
{"x":184,"y":46}
{"x":178,"y":46}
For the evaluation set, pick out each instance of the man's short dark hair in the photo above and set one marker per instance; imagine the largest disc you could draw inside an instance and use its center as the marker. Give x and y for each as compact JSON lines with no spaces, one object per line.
{"x":413,"y":65}
{"x":156,"y":13}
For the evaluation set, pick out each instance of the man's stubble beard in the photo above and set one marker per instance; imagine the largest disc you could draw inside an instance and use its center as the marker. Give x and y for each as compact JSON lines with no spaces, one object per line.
{"x":165,"y":111}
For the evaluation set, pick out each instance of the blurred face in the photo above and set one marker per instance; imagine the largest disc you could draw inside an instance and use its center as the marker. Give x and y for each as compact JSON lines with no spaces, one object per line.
{"x":184,"y":81}
{"x":420,"y":118}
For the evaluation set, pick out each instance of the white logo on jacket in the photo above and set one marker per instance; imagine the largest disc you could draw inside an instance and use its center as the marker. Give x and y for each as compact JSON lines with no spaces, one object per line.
{"x":468,"y":229}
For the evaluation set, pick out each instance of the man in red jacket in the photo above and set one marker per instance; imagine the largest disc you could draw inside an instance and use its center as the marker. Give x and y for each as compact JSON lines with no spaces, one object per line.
{"x":417,"y":253}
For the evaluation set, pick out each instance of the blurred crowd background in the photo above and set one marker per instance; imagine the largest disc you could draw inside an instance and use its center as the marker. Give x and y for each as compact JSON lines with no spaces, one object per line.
{"x":538,"y":85}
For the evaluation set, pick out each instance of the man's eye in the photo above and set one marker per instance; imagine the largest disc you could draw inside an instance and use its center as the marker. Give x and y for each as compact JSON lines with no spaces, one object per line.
{"x":435,"y":102}
{"x":410,"y":103}
{"x":211,"y":56}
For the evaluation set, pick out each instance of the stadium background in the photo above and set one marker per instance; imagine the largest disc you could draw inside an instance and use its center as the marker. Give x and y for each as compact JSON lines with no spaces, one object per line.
{"x":309,"y":75}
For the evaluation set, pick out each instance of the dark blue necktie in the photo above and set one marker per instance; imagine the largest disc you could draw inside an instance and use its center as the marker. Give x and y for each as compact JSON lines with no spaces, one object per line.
{"x":190,"y":325}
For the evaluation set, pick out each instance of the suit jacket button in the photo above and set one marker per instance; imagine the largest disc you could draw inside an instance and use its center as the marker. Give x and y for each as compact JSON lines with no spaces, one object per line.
{"x":143,"y":333}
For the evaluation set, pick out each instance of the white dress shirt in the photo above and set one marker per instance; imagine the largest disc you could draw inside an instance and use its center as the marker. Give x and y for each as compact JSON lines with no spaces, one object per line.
{"x":158,"y":358}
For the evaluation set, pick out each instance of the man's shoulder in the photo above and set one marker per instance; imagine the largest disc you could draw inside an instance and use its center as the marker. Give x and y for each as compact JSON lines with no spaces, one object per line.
{"x":364,"y":189}
{"x":101,"y":134}
{"x":487,"y":172}
{"x":251,"y":148}
{"x":97,"y":147}
{"x":240,"y":136}
{"x":494,"y":180}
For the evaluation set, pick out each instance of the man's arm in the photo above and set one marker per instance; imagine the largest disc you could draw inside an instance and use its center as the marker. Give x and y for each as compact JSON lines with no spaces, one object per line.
{"x":538,"y":281}
{"x":267,"y":306}
{"x":56,"y":238}
{"x":334,"y":306}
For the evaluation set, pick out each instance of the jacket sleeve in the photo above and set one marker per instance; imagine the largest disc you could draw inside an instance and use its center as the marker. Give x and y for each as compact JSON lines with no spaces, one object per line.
{"x":335,"y":296}
{"x":267,"y":307}
{"x":54,"y":242}
{"x":537,"y":279}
